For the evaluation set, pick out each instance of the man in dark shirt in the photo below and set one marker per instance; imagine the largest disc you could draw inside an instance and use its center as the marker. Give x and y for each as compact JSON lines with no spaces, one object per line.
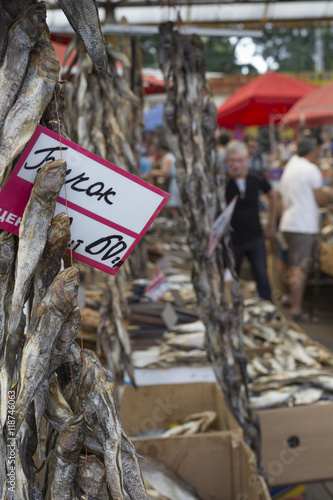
{"x":247,"y":235}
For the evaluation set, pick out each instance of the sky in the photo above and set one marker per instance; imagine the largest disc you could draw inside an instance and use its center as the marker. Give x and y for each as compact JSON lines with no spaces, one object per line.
{"x":245,"y":54}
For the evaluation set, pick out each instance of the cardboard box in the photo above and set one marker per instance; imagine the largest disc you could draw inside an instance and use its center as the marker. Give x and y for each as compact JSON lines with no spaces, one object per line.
{"x":326,"y":258}
{"x":297,"y":444}
{"x":156,"y":406}
{"x":217,"y":463}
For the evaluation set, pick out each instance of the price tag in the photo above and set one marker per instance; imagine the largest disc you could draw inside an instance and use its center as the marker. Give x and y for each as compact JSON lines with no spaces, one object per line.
{"x":158,"y":288}
{"x":220,"y":225}
{"x":110,"y":209}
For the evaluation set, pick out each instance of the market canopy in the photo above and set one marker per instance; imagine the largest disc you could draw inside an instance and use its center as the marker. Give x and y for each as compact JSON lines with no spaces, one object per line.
{"x":313,"y":110}
{"x":268,"y":96}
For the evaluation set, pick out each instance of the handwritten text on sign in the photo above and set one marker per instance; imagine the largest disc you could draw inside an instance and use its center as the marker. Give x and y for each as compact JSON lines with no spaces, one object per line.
{"x":220,"y":225}
{"x":110,"y":209}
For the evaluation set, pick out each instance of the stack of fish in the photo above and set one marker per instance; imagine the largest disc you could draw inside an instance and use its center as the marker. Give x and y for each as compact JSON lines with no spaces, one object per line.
{"x":43,"y":372}
{"x":184,"y":345}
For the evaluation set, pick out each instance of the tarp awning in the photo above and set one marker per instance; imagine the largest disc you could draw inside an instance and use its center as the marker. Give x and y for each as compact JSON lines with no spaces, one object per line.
{"x":267,"y":96}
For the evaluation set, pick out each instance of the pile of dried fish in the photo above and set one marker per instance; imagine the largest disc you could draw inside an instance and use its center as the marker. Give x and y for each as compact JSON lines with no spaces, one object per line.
{"x":43,"y":372}
{"x":192,"y":424}
{"x":184,"y":345}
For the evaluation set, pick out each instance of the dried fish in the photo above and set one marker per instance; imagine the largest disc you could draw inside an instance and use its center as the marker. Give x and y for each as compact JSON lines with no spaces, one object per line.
{"x":7,"y":254}
{"x":102,"y":417}
{"x":188,"y":341}
{"x":37,"y":88}
{"x":83,"y":17}
{"x":272,"y":399}
{"x":92,"y":471}
{"x":22,"y":37}
{"x":307,"y":396}
{"x":13,"y":343}
{"x":49,"y":264}
{"x":66,"y":457}
{"x":195,"y":326}
{"x":26,"y":484}
{"x":133,"y":480}
{"x":33,"y":231}
{"x":37,"y":353}
{"x":161,"y":479}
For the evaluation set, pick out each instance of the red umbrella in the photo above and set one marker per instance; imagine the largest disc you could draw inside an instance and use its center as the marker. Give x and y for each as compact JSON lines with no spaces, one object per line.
{"x":313,"y":110}
{"x":152,"y":85}
{"x":258,"y":101}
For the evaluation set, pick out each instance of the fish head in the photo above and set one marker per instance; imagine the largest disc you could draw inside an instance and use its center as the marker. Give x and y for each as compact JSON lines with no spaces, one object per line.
{"x":58,"y":235}
{"x":89,"y":372}
{"x":59,"y":228}
{"x":50,"y":179}
{"x":65,"y":287}
{"x":71,"y":439}
{"x":33,"y":20}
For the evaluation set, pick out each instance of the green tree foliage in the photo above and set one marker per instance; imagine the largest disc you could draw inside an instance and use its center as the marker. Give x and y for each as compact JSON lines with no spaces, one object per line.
{"x":220,"y":55}
{"x":293,"y":50}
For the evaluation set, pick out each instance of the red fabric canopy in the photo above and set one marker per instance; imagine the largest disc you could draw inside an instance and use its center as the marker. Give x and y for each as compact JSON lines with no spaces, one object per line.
{"x":152,"y":85}
{"x":313,"y":110}
{"x":253,"y":104}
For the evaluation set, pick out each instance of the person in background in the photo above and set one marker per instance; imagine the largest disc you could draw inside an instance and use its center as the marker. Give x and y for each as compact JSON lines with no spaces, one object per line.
{"x":168,"y":171}
{"x":247,"y":234}
{"x":257,"y":160}
{"x":145,"y":166}
{"x":302,"y":193}
{"x":222,"y":142}
{"x":284,"y":151}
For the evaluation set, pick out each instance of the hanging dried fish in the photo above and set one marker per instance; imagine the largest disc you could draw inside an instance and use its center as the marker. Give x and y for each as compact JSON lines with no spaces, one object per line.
{"x":35,"y":93}
{"x":7,"y":254}
{"x":83,"y":17}
{"x":57,"y":305}
{"x":102,"y":417}
{"x":22,"y":37}
{"x":65,"y":459}
{"x":47,"y":360}
{"x":33,"y":232}
{"x":58,"y":236}
{"x":191,"y":117}
{"x":14,"y":343}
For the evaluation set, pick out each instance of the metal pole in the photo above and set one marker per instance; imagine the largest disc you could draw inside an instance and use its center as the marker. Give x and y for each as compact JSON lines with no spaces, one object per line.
{"x":319,"y":51}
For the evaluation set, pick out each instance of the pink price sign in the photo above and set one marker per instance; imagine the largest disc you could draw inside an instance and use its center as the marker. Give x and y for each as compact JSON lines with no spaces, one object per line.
{"x":220,"y":225}
{"x":109,"y":208}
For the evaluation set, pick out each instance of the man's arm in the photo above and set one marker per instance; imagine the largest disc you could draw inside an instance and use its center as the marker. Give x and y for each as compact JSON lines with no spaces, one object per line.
{"x":323,"y":196}
{"x":272,"y":212}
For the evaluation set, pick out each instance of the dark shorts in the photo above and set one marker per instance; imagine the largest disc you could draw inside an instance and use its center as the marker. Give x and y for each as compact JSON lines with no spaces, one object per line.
{"x":300,"y":249}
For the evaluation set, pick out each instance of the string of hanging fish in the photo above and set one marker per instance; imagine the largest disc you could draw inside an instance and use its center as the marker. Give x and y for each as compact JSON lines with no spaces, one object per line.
{"x":43,"y":372}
